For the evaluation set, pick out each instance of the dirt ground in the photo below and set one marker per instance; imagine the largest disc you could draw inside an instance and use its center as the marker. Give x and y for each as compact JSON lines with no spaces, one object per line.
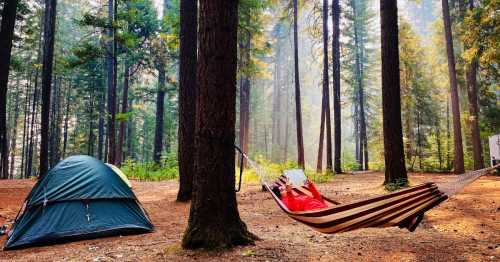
{"x":464,"y":228}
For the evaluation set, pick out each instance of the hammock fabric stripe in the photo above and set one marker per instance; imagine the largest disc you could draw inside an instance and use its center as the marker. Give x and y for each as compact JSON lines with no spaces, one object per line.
{"x":400,"y":208}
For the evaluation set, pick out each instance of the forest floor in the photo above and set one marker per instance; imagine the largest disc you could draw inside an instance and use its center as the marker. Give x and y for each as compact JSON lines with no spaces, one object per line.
{"x":464,"y":228}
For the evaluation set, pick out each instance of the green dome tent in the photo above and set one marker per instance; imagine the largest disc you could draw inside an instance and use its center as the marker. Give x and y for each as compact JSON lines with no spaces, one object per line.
{"x":79,"y":198}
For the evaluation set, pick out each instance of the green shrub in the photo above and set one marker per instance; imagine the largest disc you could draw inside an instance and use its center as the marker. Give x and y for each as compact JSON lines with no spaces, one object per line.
{"x":398,"y":184}
{"x":168,"y":169}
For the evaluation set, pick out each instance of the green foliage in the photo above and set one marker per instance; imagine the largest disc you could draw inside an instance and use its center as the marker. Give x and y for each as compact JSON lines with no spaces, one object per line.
{"x":481,"y":36}
{"x":398,"y":184}
{"x":273,"y":170}
{"x":149,"y":171}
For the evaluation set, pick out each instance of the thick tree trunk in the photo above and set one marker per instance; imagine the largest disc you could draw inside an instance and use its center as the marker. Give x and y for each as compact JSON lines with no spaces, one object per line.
{"x":458,"y":163}
{"x":214,"y":220}
{"x":48,"y":56}
{"x":298,"y":108}
{"x":110,"y":61}
{"x":187,"y":97}
{"x":395,"y":170}
{"x":120,"y":156}
{"x":160,"y":100}
{"x":6,"y":36}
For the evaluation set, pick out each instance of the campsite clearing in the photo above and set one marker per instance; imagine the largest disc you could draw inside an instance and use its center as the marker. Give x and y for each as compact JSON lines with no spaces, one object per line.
{"x":464,"y":228}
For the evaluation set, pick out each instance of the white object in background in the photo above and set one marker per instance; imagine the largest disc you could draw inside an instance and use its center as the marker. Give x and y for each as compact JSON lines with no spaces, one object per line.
{"x":494,"y":149}
{"x":296,"y":177}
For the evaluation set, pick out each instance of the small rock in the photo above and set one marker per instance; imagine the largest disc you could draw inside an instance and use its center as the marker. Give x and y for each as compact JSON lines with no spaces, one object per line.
{"x":359,"y":253}
{"x":490,"y":247}
{"x":482,"y":232}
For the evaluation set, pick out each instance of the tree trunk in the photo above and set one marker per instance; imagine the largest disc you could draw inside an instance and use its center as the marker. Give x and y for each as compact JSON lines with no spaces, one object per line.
{"x":298,"y":110}
{"x":13,"y":137}
{"x":245,"y":98}
{"x":25,"y":125}
{"x":160,"y":100}
{"x":187,"y":96}
{"x":336,"y":85}
{"x":326,"y":90}
{"x":395,"y":170}
{"x":359,"y":58}
{"x":214,"y":220}
{"x":6,"y":37}
{"x":120,"y":156}
{"x":110,"y":60}
{"x":48,"y":56}
{"x":130,"y":130}
{"x":66,"y":122}
{"x":55,"y":121}
{"x":477,"y":150}
{"x":319,"y":161}
{"x":276,"y":114}
{"x":102,"y":113}
{"x":471,"y":72}
{"x":458,"y":163}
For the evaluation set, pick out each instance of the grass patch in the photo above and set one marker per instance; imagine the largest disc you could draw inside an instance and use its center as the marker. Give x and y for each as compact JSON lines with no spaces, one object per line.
{"x":396,"y":185}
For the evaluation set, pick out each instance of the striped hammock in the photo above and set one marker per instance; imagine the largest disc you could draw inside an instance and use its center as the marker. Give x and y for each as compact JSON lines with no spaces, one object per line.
{"x":404,"y":208}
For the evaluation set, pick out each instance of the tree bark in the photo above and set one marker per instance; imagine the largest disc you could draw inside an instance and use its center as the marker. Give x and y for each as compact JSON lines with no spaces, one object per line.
{"x":298,"y":109}
{"x":319,"y":161}
{"x":48,"y":56}
{"x":66,"y":121}
{"x":336,"y":85}
{"x":214,"y":220}
{"x":110,"y":60}
{"x":395,"y":170}
{"x":6,"y":37}
{"x":160,"y":99}
{"x":458,"y":163}
{"x":187,"y":96}
{"x":102,"y":113}
{"x":326,"y":90}
{"x":120,"y":156}
{"x":25,"y":125}
{"x":130,"y":130}
{"x":471,"y":72}
{"x":245,"y":99}
{"x":13,"y":137}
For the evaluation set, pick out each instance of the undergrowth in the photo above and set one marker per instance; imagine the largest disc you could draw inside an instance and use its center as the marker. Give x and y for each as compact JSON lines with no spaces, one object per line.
{"x":396,"y":185}
{"x":168,"y":169}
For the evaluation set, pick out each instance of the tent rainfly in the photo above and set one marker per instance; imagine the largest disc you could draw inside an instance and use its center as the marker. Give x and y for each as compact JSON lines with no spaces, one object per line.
{"x":80,"y":198}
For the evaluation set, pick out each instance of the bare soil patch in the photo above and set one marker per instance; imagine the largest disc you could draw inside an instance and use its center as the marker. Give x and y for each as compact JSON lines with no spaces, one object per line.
{"x":464,"y":228}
